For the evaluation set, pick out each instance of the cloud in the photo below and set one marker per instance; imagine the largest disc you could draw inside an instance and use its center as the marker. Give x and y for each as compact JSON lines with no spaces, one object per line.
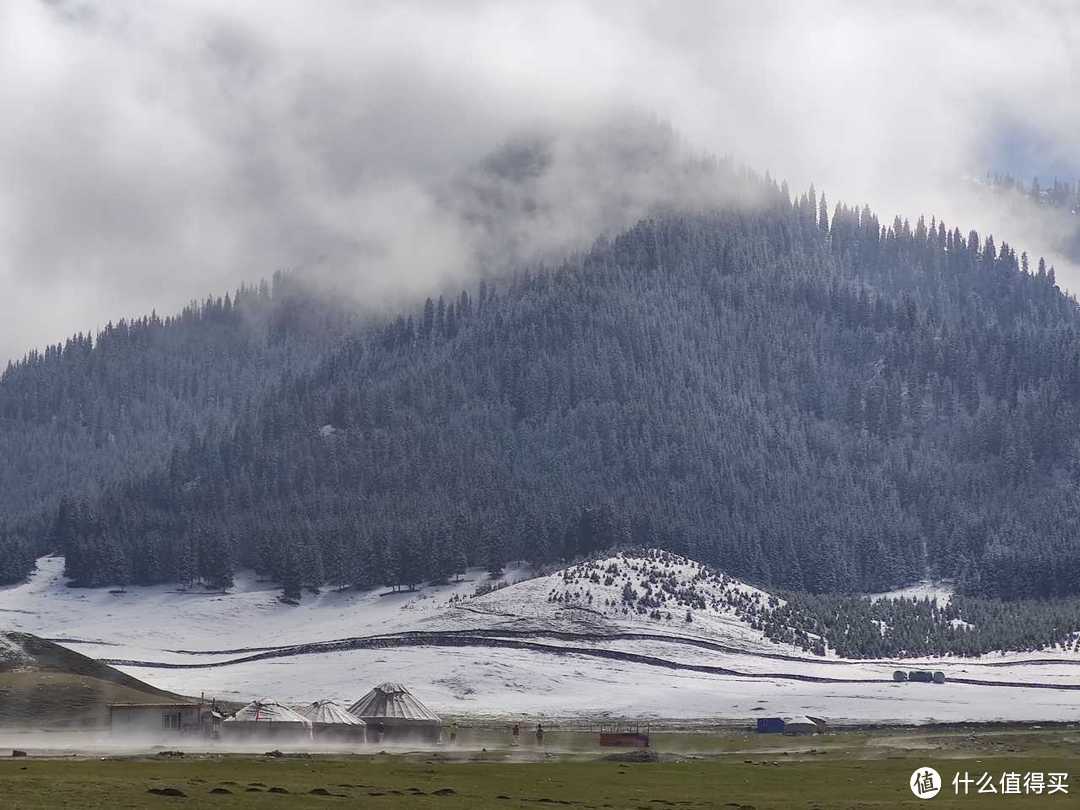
{"x":152,"y":153}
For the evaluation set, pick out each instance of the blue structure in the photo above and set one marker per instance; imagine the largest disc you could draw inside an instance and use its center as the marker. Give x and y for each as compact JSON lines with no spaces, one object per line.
{"x":770,"y":725}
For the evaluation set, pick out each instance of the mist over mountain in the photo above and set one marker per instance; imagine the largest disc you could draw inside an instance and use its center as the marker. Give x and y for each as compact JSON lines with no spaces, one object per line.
{"x":161,"y":153}
{"x":1050,"y":207}
{"x":794,"y":392}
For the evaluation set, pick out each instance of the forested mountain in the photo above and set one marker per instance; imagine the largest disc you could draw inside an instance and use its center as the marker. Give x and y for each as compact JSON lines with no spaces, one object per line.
{"x":100,"y":409}
{"x":795,"y":394}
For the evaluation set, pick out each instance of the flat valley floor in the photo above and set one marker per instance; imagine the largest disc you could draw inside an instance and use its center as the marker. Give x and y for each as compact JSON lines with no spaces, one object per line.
{"x":842,"y":769}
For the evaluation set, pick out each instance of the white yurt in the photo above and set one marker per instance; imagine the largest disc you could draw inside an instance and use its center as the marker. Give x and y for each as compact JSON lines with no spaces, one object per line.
{"x":805,"y":724}
{"x":394,"y":713}
{"x":332,"y":722}
{"x":266,"y":719}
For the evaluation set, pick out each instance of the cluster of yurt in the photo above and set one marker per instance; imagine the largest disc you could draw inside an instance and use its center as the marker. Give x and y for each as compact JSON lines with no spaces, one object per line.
{"x":389,"y":712}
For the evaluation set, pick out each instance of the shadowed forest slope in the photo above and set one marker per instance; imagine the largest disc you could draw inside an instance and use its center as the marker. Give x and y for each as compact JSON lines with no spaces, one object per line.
{"x":97,"y":410}
{"x":799,"y":396}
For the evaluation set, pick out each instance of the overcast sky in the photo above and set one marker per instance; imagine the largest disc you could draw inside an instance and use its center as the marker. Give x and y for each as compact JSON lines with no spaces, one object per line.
{"x":152,"y":152}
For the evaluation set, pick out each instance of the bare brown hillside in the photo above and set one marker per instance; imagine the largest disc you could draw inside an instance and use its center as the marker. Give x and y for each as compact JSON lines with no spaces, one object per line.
{"x":44,"y":685}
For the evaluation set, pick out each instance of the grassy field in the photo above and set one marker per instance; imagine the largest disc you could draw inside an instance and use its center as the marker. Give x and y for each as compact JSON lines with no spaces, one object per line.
{"x":843,"y":770}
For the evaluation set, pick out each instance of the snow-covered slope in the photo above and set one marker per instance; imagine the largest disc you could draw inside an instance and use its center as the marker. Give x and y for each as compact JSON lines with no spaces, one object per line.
{"x":609,"y":637}
{"x":151,"y":622}
{"x":12,"y":654}
{"x":651,"y":592}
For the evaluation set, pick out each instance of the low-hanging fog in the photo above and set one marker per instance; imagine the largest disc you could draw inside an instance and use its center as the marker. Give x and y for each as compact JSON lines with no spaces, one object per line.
{"x":152,"y":153}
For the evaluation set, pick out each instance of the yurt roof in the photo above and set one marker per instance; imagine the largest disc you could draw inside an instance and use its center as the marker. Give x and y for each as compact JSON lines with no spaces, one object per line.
{"x":327,"y":712}
{"x":267,"y":711}
{"x":392,"y":701}
{"x":803,"y":720}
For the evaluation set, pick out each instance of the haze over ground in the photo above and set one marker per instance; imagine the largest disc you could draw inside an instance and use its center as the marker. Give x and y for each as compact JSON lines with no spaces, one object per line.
{"x":157,"y":153}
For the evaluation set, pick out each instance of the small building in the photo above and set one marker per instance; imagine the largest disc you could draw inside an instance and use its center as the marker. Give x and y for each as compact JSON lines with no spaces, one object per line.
{"x":332,"y":723}
{"x":265,"y":720}
{"x":164,"y":720}
{"x":770,"y":725}
{"x":624,"y":736}
{"x":394,"y":714}
{"x":804,"y":725}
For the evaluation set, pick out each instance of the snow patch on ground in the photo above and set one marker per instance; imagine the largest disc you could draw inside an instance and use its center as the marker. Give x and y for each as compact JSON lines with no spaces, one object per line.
{"x":11,"y":652}
{"x":142,"y":622}
{"x":511,"y":684}
{"x":935,"y":591}
{"x":157,"y":623}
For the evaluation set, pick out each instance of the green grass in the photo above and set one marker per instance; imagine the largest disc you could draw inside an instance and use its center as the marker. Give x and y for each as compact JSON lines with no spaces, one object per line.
{"x":860,"y":770}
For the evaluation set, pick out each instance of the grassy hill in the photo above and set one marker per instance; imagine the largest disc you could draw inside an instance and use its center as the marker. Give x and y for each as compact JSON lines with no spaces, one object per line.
{"x":44,"y":685}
